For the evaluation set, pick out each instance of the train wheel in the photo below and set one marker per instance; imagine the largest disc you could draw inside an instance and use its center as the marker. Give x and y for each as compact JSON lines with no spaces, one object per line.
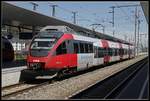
{"x":60,"y":74}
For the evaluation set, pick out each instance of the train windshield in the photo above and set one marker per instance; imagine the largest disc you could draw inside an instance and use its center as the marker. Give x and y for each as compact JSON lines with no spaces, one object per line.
{"x":43,"y":43}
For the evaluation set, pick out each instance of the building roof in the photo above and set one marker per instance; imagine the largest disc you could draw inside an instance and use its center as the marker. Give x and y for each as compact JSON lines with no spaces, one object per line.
{"x":145,"y":6}
{"x":16,"y":16}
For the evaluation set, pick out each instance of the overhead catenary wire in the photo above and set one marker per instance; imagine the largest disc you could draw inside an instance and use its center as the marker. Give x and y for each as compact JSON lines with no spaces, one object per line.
{"x":65,"y":9}
{"x":75,"y":14}
{"x":124,"y":13}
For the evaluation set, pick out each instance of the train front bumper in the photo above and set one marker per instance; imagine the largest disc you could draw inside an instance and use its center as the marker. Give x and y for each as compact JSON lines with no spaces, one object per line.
{"x":28,"y":74}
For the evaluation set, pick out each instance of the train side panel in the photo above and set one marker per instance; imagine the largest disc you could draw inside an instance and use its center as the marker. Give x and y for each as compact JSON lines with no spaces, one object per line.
{"x":85,"y":61}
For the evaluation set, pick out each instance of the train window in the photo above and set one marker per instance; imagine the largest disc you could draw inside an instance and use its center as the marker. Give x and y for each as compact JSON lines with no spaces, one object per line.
{"x":104,"y":51}
{"x":109,"y":51}
{"x":89,"y":51}
{"x":95,"y":52}
{"x":76,"y":48}
{"x":113,"y":51}
{"x":86,"y":48}
{"x":61,"y":49}
{"x":90,"y":48}
{"x":116,"y":51}
{"x":120,"y":52}
{"x":68,"y":41}
{"x":124,"y":51}
{"x":100,"y":52}
{"x":81,"y":48}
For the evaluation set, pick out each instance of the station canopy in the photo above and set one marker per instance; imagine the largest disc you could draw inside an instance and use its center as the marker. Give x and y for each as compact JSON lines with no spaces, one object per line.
{"x":16,"y":16}
{"x":145,"y":6}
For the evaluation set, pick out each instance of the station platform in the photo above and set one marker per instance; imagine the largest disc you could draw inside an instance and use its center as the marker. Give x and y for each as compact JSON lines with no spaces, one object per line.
{"x":11,"y":75}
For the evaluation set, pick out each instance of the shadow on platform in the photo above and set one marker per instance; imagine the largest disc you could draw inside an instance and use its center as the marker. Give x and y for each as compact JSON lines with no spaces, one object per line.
{"x":12,"y":64}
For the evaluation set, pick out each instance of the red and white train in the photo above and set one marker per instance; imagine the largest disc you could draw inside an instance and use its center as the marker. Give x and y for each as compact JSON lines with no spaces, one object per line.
{"x":53,"y":51}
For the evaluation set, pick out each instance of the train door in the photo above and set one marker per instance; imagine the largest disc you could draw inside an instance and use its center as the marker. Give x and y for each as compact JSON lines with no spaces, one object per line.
{"x":106,"y":55}
{"x":61,"y":59}
{"x":129,"y":55}
{"x":81,"y":61}
{"x":120,"y":51}
{"x":69,"y":56}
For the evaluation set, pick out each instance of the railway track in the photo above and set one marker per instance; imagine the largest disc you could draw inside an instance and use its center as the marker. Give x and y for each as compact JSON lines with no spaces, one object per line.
{"x":111,"y":87}
{"x":25,"y":86}
{"x":22,"y":87}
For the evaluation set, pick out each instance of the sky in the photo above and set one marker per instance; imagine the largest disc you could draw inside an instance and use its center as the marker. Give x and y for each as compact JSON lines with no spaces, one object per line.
{"x":95,"y":12}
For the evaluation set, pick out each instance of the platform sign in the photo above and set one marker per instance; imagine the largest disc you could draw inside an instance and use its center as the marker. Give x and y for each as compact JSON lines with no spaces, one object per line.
{"x":25,"y":35}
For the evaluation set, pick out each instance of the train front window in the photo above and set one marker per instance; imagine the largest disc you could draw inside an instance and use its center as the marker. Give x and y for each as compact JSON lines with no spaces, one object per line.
{"x":40,"y":43}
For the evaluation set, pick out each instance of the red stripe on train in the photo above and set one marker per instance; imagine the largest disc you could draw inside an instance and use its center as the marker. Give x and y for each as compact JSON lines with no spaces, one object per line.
{"x":104,"y":43}
{"x":120,"y":47}
{"x":62,"y":61}
{"x":106,"y":46}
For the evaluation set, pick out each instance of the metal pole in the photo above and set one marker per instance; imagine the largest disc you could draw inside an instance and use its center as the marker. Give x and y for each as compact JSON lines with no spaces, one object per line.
{"x":74,"y":17}
{"x":125,"y":37}
{"x":135,"y":31}
{"x":142,"y":44}
{"x":113,"y":22}
{"x":53,"y":12}
{"x":103,"y":29}
{"x":113,"y":11}
{"x":138,"y":37}
{"x":34,"y":5}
